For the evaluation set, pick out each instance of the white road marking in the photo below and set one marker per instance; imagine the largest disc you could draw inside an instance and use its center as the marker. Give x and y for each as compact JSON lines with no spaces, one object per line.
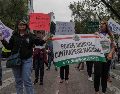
{"x":7,"y":71}
{"x":113,"y":89}
{"x":116,"y":76}
{"x":7,"y":82}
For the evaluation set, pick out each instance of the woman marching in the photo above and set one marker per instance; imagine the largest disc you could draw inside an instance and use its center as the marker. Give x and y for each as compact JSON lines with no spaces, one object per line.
{"x":22,"y":41}
{"x":101,"y":69}
{"x":39,"y":56}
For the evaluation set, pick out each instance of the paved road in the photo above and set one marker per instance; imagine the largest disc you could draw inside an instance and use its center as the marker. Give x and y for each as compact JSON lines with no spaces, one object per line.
{"x":78,"y":83}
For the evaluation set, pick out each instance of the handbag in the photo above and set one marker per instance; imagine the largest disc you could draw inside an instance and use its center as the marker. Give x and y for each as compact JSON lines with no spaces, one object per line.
{"x":14,"y":60}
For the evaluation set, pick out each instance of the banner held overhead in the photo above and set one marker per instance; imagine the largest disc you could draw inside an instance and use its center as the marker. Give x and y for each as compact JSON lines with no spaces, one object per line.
{"x":39,"y":21}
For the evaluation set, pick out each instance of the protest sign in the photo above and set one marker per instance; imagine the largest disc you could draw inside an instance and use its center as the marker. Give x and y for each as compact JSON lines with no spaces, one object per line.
{"x":6,"y":32}
{"x":113,"y":26}
{"x":39,"y":21}
{"x":65,"y":28}
{"x":70,"y":49}
{"x":105,"y":46}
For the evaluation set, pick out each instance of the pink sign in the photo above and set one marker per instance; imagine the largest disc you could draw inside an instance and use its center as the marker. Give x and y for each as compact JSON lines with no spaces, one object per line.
{"x":39,"y":21}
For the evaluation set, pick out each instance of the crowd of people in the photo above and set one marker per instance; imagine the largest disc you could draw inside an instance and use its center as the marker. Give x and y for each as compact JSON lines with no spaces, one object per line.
{"x":36,"y":50}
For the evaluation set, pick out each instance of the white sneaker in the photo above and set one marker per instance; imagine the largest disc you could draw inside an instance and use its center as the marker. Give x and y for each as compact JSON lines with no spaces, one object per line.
{"x":66,"y":81}
{"x":90,"y":79}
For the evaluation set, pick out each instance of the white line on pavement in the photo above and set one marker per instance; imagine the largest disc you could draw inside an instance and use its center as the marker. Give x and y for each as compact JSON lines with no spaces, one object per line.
{"x":116,"y":76}
{"x":113,"y":89}
{"x":116,"y":71}
{"x":7,"y":82}
{"x":7,"y":71}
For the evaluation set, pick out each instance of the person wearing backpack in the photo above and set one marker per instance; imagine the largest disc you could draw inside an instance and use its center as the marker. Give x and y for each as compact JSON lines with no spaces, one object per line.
{"x":101,"y":69}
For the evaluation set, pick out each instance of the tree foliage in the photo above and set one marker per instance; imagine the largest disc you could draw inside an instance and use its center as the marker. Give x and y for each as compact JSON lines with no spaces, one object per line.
{"x":82,"y":13}
{"x":112,"y":7}
{"x":12,"y":10}
{"x":87,"y":11}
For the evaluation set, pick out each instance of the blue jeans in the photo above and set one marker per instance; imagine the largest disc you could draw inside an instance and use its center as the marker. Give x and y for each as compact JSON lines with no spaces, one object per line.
{"x":50,"y":59}
{"x":23,"y":77}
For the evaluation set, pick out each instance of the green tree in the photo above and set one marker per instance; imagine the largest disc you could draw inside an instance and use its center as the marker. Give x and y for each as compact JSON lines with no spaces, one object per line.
{"x":12,"y":10}
{"x":98,"y":9}
{"x":82,"y":13}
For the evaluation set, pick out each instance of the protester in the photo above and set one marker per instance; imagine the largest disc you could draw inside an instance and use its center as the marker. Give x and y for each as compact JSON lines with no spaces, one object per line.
{"x":23,"y":41}
{"x":49,"y":48}
{"x":89,"y":69}
{"x":64,"y":73}
{"x":50,"y":54}
{"x":39,"y":56}
{"x":101,"y":69}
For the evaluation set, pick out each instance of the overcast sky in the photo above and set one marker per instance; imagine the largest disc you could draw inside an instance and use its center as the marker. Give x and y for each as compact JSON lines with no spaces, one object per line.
{"x":59,"y":7}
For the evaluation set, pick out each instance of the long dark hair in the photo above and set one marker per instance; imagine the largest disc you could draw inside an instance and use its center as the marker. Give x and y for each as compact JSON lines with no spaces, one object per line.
{"x":108,"y":30}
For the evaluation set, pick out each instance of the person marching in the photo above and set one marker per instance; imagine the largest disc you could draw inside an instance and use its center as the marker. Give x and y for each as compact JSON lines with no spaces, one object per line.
{"x":89,"y":69}
{"x":64,"y":73}
{"x":22,"y":41}
{"x":39,"y":56}
{"x":80,"y":66}
{"x":101,"y":69}
{"x":49,"y":47}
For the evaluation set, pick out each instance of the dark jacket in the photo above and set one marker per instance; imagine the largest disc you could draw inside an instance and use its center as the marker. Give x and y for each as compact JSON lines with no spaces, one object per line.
{"x":24,"y":44}
{"x":49,"y":46}
{"x":40,"y":53}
